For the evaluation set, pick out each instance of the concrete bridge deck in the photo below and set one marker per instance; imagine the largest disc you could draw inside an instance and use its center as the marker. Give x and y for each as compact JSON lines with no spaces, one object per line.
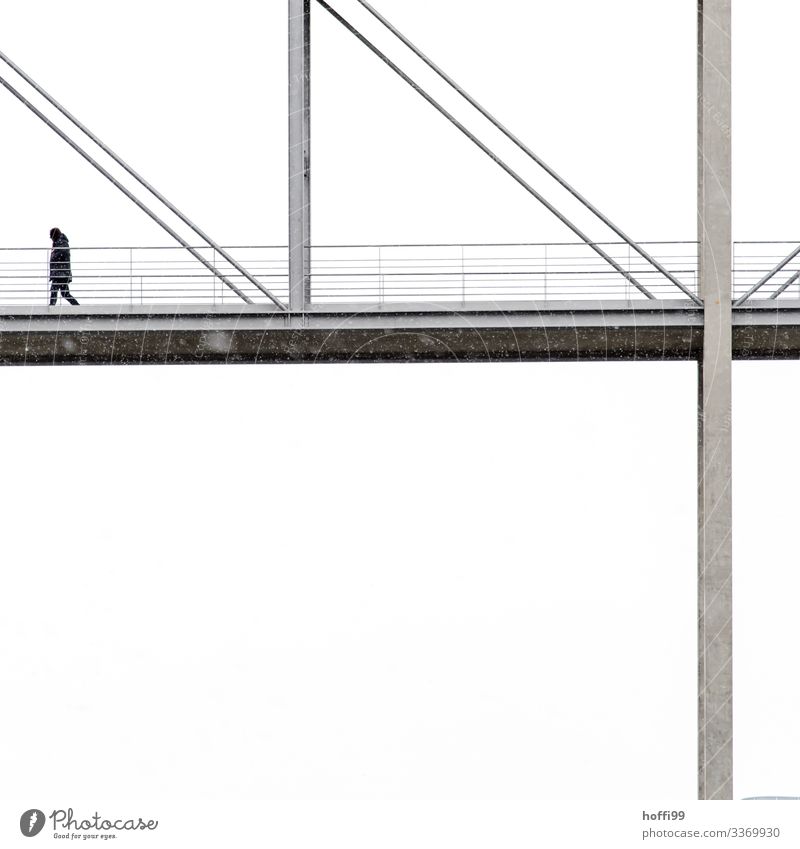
{"x":523,"y":331}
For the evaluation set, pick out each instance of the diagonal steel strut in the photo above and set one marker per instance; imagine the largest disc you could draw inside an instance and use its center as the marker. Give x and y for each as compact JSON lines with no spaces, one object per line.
{"x":207,"y":239}
{"x":493,"y":156}
{"x":75,"y":146}
{"x":768,"y":276}
{"x":785,"y":286}
{"x":525,"y":149}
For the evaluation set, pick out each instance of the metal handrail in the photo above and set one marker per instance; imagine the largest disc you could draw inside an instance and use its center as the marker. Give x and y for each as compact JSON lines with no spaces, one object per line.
{"x":767,"y":277}
{"x":765,"y":267}
{"x":161,"y":274}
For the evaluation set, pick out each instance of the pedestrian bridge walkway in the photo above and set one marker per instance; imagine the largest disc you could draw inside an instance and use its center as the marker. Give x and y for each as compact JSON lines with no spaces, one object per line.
{"x":389,"y":274}
{"x":353,"y":273}
{"x":529,"y":301}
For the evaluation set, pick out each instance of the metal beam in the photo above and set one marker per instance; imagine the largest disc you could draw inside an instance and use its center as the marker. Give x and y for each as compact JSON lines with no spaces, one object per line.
{"x":299,"y":154}
{"x":715,"y":612}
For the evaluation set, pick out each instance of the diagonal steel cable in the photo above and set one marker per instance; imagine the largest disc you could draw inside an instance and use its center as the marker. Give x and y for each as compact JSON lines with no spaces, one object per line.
{"x":785,"y":286}
{"x":525,"y":149}
{"x":493,"y":156}
{"x":767,"y":277}
{"x":75,"y":146}
{"x":121,"y":162}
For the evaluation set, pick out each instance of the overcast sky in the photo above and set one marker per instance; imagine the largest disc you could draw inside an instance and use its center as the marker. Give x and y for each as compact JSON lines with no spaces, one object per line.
{"x":386,"y":581}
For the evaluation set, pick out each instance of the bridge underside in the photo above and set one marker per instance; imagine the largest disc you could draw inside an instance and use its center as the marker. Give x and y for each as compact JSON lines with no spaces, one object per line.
{"x":569,"y":331}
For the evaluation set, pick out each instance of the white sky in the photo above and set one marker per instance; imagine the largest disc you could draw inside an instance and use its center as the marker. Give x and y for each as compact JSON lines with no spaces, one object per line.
{"x":385,"y":582}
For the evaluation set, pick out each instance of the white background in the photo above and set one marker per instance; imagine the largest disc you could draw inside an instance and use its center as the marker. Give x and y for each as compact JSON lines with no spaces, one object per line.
{"x":427,"y":582}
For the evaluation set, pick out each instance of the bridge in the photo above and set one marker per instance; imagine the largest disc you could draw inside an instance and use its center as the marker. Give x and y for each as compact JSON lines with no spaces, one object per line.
{"x":709,"y":301}
{"x":382,"y":303}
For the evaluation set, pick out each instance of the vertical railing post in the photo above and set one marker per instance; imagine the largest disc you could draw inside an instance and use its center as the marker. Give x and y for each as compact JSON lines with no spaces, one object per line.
{"x":381,"y":293}
{"x":628,"y":285}
{"x":715,"y":646}
{"x":545,"y":272}
{"x":299,"y":154}
{"x":463,"y":279}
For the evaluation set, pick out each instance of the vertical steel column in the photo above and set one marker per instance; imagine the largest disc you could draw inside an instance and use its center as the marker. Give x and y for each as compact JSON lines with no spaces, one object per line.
{"x":299,"y":154}
{"x":715,"y":692}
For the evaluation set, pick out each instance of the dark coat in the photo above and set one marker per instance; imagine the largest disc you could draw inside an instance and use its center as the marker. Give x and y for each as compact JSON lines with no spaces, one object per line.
{"x":60,"y":268}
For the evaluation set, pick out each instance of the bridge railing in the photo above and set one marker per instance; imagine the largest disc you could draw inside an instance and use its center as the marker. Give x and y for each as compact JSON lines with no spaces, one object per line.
{"x":462,"y":273}
{"x":754,"y":260}
{"x":376,"y":274}
{"x":140,"y":276}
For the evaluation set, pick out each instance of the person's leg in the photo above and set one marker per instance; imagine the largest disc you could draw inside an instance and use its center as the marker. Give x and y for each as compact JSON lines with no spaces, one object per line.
{"x":69,"y":296}
{"x":53,"y":293}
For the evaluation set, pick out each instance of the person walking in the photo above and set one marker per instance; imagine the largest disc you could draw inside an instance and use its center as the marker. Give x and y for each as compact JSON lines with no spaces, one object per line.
{"x":60,"y":268}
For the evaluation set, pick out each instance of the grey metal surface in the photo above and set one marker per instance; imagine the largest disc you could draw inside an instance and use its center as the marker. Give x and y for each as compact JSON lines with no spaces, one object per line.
{"x":525,"y":149}
{"x":715,"y":610}
{"x":478,"y":143}
{"x":299,"y":154}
